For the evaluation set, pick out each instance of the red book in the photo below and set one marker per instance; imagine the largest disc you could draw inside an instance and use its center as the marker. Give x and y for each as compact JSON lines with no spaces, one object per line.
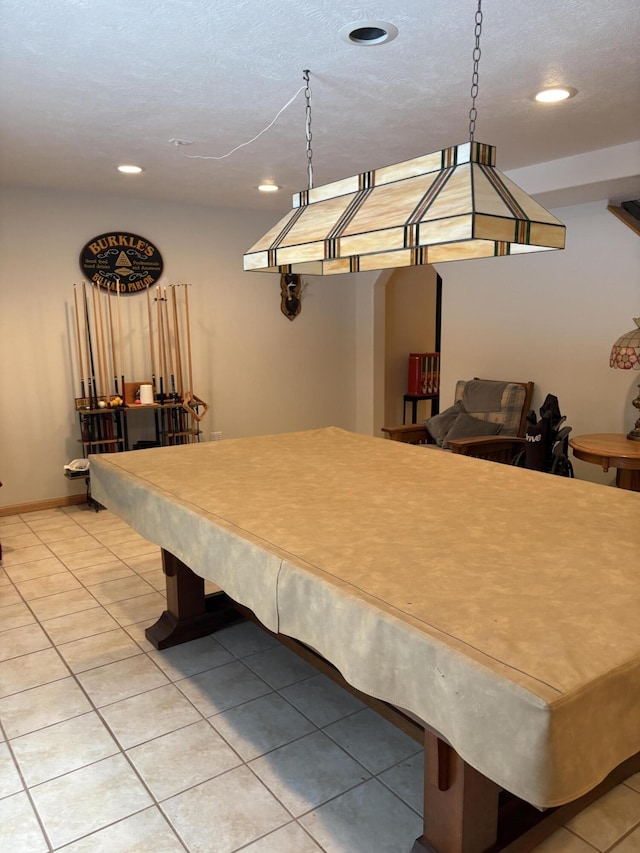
{"x":414,"y":381}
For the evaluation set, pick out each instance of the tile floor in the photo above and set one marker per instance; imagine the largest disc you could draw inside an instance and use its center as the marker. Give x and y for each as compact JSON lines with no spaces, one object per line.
{"x":227,"y":743}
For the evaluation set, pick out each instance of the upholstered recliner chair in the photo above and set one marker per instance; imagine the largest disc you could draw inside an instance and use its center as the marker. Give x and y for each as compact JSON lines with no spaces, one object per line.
{"x":487,"y":420}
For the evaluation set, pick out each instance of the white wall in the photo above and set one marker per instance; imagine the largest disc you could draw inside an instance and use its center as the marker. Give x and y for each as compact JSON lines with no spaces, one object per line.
{"x":369,"y":291}
{"x":410,"y":326}
{"x":551,"y":317}
{"x":260,"y":372}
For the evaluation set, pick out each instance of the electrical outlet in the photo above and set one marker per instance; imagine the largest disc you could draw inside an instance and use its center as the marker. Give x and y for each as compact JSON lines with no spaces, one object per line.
{"x":216,"y":436}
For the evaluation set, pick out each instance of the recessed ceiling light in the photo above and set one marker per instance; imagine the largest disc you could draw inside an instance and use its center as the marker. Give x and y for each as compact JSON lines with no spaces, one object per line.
{"x":268,"y":188}
{"x":366,"y":33}
{"x":129,"y":170}
{"x":555,"y":94}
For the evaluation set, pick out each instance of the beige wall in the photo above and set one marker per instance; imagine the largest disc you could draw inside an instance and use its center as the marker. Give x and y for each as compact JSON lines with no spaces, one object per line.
{"x":260,"y":372}
{"x":369,"y":292}
{"x":552,"y":318}
{"x":410,"y":326}
{"x":549,"y":317}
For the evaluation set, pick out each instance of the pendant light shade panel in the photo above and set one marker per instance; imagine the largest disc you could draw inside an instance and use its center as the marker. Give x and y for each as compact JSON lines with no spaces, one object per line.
{"x":446,"y":206}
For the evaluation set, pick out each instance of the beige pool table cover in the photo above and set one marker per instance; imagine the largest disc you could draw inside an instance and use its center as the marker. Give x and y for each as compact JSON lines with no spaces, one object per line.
{"x":500,"y":606}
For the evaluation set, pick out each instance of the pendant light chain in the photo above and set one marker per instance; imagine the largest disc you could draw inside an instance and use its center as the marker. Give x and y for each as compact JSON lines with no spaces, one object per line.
{"x":473,"y":112}
{"x":307,"y":95}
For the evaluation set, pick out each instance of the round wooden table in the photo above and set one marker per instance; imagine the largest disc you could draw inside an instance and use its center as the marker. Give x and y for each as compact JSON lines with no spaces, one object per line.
{"x":611,"y":450}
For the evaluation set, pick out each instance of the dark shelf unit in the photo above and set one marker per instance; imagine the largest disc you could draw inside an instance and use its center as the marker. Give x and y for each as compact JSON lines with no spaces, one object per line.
{"x":107,"y":430}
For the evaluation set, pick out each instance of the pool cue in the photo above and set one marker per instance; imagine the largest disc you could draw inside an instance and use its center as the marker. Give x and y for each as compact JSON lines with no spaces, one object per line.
{"x":107,"y":342}
{"x":80,"y":360}
{"x":188,"y":324}
{"x":151,"y":347}
{"x":120,"y":352}
{"x":157,"y":333}
{"x":176,"y":329}
{"x":92,"y":425}
{"x":161,"y":354}
{"x":173,"y":411}
{"x":97,"y":336}
{"x":163,"y":342}
{"x":165,"y":308}
{"x":166,"y":341}
{"x":103,"y":338}
{"x":113,"y":345}
{"x":91,"y":380}
{"x":91,"y":321}
{"x":176,"y":354}
{"x":171,"y":414}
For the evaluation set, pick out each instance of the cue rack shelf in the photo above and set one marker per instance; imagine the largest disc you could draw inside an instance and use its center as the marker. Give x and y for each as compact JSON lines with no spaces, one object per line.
{"x":109,"y":407}
{"x":106,"y":430}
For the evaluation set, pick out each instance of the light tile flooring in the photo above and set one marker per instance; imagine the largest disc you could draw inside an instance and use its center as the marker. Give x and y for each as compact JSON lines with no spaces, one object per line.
{"x":227,"y":743}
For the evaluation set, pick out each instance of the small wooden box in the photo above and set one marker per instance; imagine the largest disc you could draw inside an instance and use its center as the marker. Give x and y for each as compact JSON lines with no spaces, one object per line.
{"x":87,"y":402}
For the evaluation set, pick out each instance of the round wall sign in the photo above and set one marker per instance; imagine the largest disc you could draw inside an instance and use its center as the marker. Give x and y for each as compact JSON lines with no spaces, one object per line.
{"x":121,"y":261}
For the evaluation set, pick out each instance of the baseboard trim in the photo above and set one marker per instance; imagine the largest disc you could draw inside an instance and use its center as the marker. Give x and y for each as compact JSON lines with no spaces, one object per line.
{"x":38,"y":506}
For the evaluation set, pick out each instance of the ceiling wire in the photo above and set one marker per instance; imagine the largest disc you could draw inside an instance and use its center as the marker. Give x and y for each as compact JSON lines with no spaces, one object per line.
{"x":177,"y":143}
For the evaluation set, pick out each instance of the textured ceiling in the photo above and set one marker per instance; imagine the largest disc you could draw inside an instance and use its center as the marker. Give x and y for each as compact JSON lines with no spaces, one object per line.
{"x":88,"y":84}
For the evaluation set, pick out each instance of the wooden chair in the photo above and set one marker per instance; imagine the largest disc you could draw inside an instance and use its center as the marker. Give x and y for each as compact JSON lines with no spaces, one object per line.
{"x":515,"y":404}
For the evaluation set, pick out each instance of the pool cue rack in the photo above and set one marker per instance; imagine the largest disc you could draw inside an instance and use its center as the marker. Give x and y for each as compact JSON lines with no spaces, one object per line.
{"x":107,"y":400}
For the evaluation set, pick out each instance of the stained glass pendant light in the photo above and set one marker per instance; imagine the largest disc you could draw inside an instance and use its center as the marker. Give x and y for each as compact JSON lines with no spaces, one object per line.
{"x":450,"y":205}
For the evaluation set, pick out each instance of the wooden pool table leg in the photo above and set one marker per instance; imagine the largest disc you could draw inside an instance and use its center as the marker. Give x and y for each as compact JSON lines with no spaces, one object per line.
{"x":460,"y":804}
{"x":189,"y":614}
